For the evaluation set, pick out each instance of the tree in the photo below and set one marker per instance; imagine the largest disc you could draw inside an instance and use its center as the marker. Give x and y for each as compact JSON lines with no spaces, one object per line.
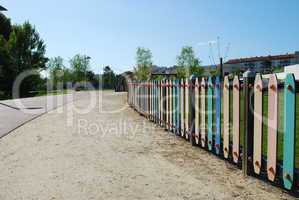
{"x":80,"y":65}
{"x":22,"y":50}
{"x":93,"y":79}
{"x":187,"y":63}
{"x":108,"y":78}
{"x":67,"y":77}
{"x":7,"y":73}
{"x":5,"y":25}
{"x":56,"y":70}
{"x":143,"y":63}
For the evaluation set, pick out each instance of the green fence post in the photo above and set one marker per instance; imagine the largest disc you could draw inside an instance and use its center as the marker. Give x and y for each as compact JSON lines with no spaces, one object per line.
{"x":289,"y":131}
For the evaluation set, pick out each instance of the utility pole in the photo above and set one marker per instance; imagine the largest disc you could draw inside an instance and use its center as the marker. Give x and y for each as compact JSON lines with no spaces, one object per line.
{"x":247,"y":146}
{"x":221,"y":68}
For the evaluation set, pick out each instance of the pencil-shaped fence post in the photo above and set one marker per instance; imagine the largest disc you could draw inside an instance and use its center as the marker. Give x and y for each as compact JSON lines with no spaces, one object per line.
{"x":236,"y":119}
{"x":247,"y":147}
{"x":159,"y":102}
{"x":150,"y":105}
{"x":210,"y":114}
{"x":137,"y":96}
{"x":226,"y":125}
{"x":173,"y":106}
{"x":167,"y":105}
{"x":140,"y":92}
{"x":131,"y":87}
{"x":128,"y":94}
{"x":192,"y":110}
{"x":258,"y":124}
{"x":178,"y":107}
{"x":133,"y":94}
{"x":272,"y":127}
{"x":187,"y":109}
{"x":142,"y":97}
{"x":218,"y":114}
{"x":170,"y":105}
{"x":152,"y":100}
{"x":182,"y":111}
{"x":289,"y":131}
{"x":197,"y":112}
{"x":203,"y":112}
{"x":147,"y":98}
{"x":162,"y":104}
{"x":156,"y":101}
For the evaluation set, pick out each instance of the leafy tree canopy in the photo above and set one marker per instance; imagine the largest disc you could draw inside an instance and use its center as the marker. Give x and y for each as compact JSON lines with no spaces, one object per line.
{"x":80,"y":65}
{"x":143,"y":63}
{"x":108,"y":78}
{"x":56,"y":70}
{"x":55,"y":66}
{"x":188,"y":63}
{"x":21,"y":49}
{"x":5,"y":25}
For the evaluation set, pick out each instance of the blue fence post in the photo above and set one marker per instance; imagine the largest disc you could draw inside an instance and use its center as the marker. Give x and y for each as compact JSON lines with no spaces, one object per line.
{"x":218,"y":114}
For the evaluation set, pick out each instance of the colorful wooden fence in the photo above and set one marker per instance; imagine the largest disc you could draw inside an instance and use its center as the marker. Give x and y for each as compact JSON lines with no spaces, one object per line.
{"x":208,"y":112}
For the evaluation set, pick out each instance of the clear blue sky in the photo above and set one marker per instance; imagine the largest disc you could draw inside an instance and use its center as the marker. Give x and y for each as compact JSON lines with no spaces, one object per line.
{"x":110,"y":30}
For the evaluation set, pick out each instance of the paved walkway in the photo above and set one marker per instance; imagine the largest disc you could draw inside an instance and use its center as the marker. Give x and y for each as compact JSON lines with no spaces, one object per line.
{"x":110,"y":152}
{"x":14,"y":113}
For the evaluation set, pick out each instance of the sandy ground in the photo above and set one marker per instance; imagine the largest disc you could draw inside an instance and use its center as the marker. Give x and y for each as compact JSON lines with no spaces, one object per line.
{"x":114,"y":154}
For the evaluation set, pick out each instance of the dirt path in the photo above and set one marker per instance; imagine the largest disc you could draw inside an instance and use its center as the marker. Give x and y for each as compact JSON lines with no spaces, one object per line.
{"x":117,"y":155}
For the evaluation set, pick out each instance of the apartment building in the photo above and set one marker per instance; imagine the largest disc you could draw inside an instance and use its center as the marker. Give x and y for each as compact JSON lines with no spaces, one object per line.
{"x":261,"y":63}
